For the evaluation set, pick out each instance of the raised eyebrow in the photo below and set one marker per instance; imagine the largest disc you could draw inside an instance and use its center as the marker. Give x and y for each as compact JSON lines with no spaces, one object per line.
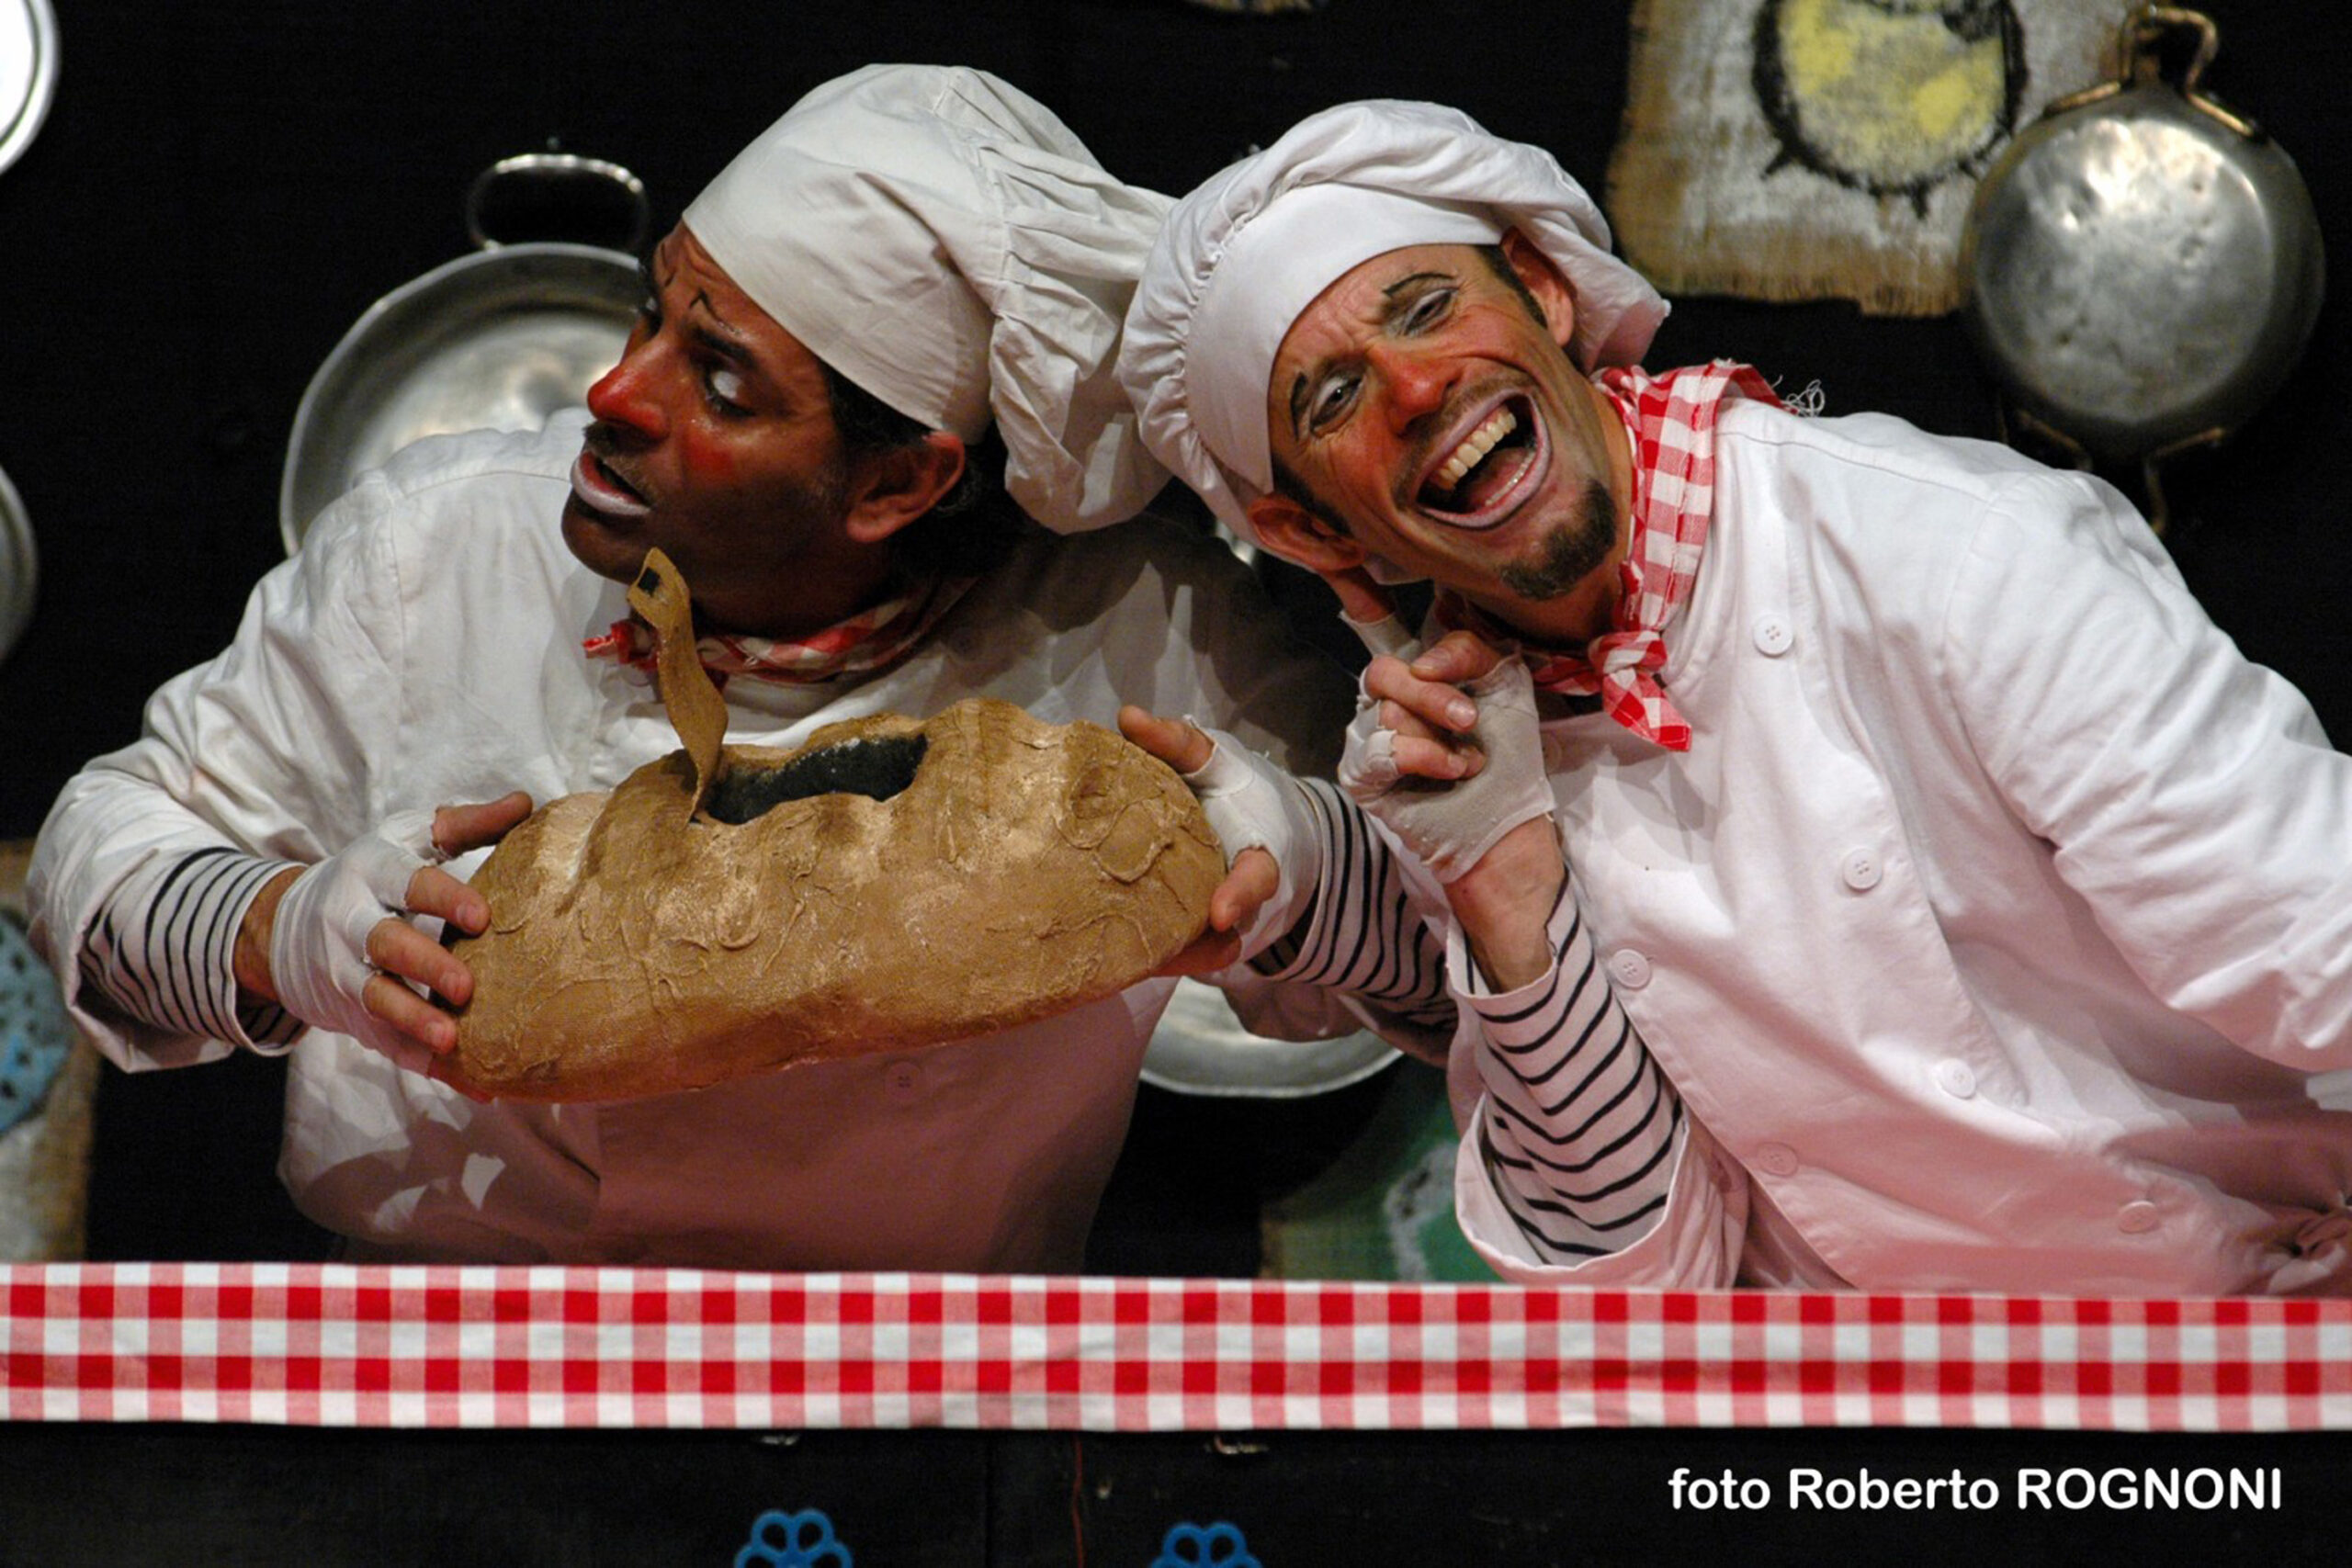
{"x":726,"y":347}
{"x":652,"y":285}
{"x":1410,"y":279}
{"x":716,"y":343}
{"x":1304,"y":379}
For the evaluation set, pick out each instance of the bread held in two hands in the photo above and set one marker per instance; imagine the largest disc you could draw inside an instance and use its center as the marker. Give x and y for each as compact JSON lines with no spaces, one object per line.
{"x":889,"y":884}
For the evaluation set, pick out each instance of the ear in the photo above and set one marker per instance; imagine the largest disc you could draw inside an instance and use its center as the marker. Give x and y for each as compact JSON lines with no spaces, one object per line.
{"x":1301,"y":537}
{"x":891,"y":490}
{"x":1545,"y":281}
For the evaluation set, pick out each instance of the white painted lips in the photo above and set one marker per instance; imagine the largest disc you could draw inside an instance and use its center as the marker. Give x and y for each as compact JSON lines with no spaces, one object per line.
{"x":602,"y":492}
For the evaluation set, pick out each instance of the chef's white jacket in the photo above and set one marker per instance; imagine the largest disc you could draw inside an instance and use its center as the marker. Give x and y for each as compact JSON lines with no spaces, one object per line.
{"x":1998,"y":912}
{"x":424,"y":648}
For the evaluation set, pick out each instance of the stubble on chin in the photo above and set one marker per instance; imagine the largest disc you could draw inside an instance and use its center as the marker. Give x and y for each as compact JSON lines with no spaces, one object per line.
{"x":1570,"y":553}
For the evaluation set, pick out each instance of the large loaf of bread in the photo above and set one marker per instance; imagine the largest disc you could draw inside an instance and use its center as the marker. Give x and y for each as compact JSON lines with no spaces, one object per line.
{"x":891,"y":883}
{"x":887,"y":884}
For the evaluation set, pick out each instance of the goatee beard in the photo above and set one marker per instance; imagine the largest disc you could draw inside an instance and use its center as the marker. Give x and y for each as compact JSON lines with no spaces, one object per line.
{"x":1571,"y":552}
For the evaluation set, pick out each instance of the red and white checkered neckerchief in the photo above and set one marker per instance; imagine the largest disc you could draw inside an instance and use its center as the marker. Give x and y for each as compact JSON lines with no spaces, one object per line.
{"x":1670,"y":419}
{"x":871,"y":639}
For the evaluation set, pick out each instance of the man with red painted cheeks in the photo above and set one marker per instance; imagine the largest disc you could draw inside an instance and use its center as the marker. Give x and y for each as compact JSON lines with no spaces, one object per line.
{"x":715,"y":441}
{"x":869,"y":412}
{"x":1952,"y":908}
{"x":1421,"y":398}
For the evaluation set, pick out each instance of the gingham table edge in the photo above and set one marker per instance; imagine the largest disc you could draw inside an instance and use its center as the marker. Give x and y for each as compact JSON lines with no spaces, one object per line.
{"x":331,"y":1344}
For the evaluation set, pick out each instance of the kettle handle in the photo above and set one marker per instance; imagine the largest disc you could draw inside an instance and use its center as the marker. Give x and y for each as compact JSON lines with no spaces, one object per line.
{"x":2139,"y":52}
{"x":556,"y":196}
{"x":2139,"y":46}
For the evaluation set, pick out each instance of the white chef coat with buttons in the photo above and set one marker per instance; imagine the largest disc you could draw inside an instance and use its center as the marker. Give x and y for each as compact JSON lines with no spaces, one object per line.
{"x":1997,"y":914}
{"x":424,"y":648}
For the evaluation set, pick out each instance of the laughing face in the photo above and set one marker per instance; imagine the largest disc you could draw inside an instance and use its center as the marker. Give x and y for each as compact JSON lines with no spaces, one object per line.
{"x":1423,"y":410}
{"x":714,"y":439}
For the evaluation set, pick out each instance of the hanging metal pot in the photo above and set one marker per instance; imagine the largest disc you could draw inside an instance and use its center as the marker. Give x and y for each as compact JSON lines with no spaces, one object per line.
{"x":1201,"y":1048}
{"x":17,"y":564}
{"x":497,"y":340}
{"x":2144,"y":266}
{"x":27,"y":73}
{"x":27,"y":80}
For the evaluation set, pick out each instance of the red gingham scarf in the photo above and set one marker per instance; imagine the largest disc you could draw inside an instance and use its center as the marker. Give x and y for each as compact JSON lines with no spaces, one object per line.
{"x":871,"y":639}
{"x":1671,"y":420}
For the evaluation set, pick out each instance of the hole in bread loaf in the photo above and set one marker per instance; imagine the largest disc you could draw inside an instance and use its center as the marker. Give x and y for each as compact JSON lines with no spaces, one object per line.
{"x":876,"y":769}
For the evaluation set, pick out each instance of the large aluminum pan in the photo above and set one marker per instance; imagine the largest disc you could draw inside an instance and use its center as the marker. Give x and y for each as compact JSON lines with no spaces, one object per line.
{"x":497,"y":340}
{"x":2144,"y":266}
{"x":1200,"y":1048}
{"x":17,"y":567}
{"x":27,"y":73}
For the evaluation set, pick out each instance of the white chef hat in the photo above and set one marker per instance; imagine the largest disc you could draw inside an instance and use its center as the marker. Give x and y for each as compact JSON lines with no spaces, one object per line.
{"x":1242,"y":256}
{"x":942,"y":240}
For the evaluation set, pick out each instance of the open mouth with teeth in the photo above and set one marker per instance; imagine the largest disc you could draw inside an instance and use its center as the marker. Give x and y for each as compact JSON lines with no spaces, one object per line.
{"x":1483,"y":479}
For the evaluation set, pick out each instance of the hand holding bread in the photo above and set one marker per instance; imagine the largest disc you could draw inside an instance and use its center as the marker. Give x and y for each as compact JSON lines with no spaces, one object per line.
{"x":887,"y":884}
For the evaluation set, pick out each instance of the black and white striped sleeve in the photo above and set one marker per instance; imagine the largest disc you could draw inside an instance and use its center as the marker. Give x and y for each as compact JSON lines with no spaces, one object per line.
{"x":163,"y":948}
{"x":1579,"y":1127}
{"x":1363,"y":936}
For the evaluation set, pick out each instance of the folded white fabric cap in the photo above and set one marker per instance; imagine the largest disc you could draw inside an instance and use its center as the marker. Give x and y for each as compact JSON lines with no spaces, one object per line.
{"x":941,"y":238}
{"x":1241,"y":257}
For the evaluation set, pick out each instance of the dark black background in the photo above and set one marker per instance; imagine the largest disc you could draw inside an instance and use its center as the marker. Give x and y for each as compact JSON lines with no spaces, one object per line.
{"x":219,"y":192}
{"x":260,"y":1497}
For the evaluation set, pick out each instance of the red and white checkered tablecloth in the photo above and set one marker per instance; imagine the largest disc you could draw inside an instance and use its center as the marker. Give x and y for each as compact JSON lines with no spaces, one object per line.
{"x":429,"y":1347}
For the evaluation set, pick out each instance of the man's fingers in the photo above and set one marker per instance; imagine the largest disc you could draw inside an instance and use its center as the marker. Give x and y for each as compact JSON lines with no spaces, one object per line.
{"x":1369,"y":612}
{"x":432,"y":891}
{"x":1205,"y":954}
{"x":1437,"y":704}
{"x":1429,"y":689}
{"x":1173,"y":741}
{"x":456,"y":829}
{"x":387,"y":1000}
{"x":1457,"y":656}
{"x":1252,"y":879}
{"x":400,"y":950}
{"x":1360,"y":599}
{"x":1436,"y":758}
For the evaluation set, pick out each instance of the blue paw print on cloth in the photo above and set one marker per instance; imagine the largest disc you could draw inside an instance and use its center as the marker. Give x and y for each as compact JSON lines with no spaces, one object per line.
{"x":804,"y":1540}
{"x":1189,"y":1546}
{"x":33,"y":1034}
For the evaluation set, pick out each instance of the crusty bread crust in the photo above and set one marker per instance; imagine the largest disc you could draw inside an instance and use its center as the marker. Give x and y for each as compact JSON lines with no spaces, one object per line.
{"x":637,"y":946}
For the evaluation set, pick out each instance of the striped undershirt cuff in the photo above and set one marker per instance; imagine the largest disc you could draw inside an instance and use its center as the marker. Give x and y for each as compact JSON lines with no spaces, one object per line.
{"x":164,"y":949}
{"x":1578,"y":1125}
{"x":1362,"y":936}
